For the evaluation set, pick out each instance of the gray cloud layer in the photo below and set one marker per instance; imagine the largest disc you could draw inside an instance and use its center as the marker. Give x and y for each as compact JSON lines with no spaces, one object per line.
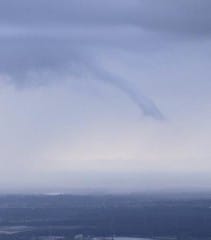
{"x":190,"y":16}
{"x":57,"y":35}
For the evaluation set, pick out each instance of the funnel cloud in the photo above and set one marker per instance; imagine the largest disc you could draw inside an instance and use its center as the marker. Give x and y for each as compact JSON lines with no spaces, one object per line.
{"x":147,"y":106}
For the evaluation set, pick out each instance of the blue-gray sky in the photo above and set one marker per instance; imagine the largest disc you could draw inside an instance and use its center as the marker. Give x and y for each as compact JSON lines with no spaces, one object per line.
{"x":105,"y":94}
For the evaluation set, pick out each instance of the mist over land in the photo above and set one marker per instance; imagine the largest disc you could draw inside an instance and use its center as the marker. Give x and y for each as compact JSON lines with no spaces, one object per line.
{"x":108,"y":183}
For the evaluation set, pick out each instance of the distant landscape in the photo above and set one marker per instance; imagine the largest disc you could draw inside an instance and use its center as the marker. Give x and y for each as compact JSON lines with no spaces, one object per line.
{"x":178,"y":216}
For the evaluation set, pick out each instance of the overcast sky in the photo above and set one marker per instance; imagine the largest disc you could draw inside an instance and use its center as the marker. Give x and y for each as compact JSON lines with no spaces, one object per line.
{"x":104,"y":94}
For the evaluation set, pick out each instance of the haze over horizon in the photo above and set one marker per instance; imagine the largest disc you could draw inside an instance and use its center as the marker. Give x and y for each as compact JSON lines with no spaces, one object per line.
{"x":104,"y":94}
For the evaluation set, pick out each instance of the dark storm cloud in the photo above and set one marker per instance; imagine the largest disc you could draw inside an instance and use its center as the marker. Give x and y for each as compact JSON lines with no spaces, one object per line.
{"x":189,"y":16}
{"x":59,"y":35}
{"x":20,"y":58}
